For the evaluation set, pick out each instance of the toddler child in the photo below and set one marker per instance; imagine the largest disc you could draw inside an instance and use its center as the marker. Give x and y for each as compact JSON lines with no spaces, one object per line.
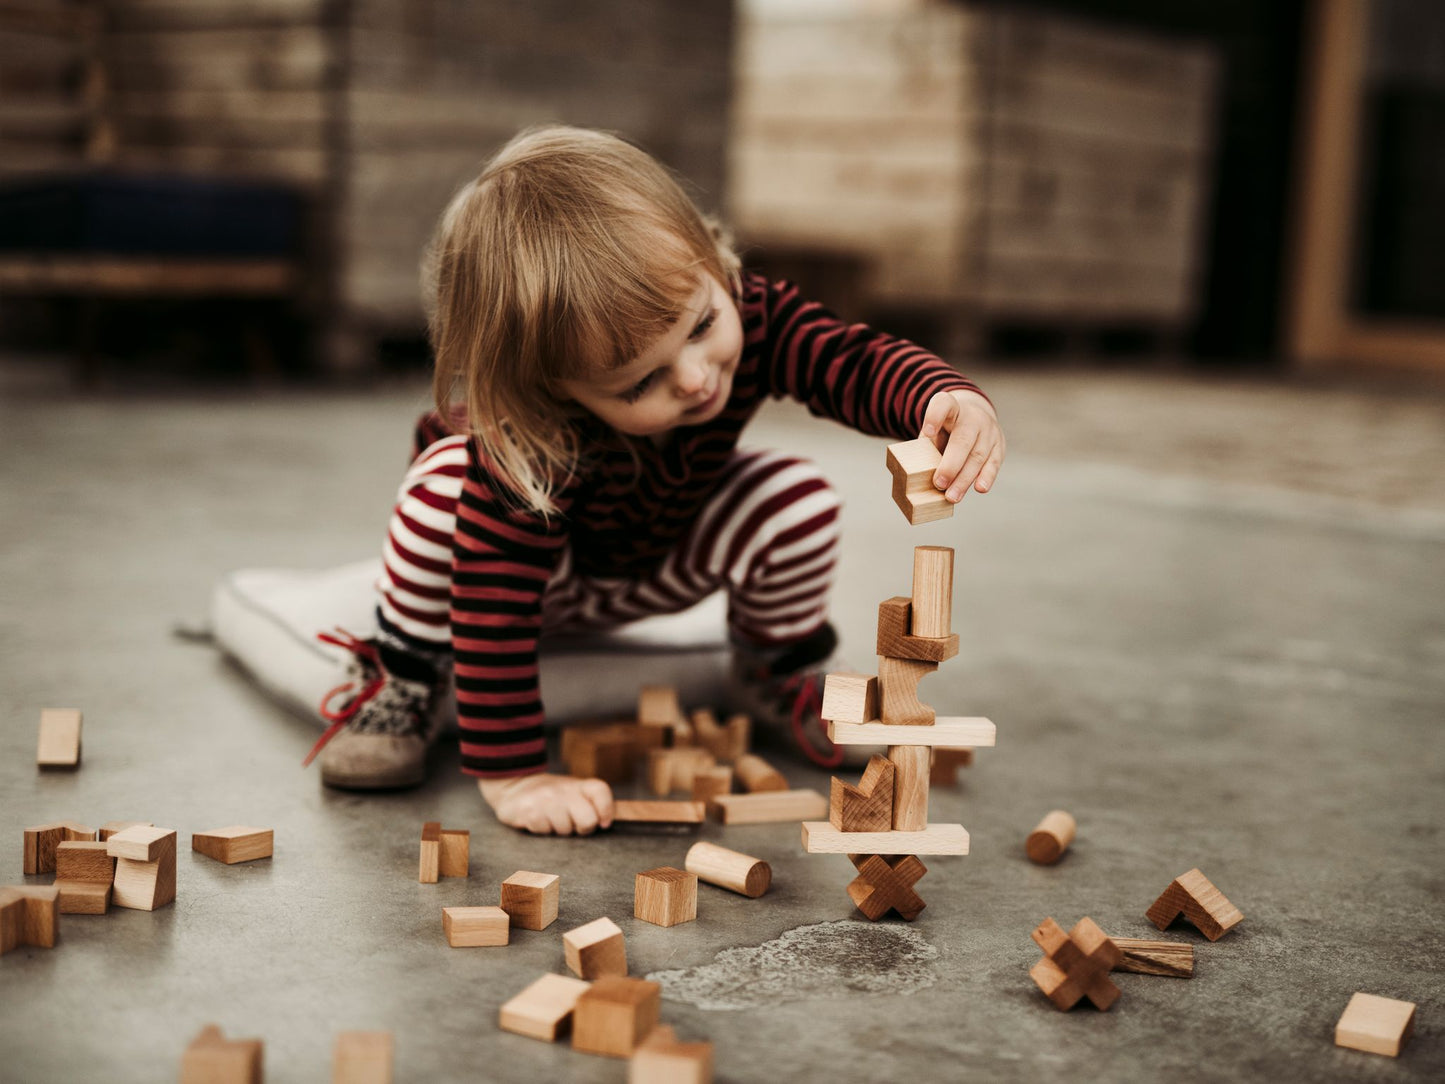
{"x":598,"y":353}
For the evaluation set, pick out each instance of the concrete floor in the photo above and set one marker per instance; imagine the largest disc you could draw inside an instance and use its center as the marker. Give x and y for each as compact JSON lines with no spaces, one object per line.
{"x":1238,"y":669}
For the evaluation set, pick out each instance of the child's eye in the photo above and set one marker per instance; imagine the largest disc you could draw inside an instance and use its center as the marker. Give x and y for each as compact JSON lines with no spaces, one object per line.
{"x":704,"y":325}
{"x":638,"y":390}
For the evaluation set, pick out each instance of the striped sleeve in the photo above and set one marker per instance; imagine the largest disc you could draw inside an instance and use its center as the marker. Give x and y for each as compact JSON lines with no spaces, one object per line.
{"x":866,"y":379}
{"x":502,"y":559}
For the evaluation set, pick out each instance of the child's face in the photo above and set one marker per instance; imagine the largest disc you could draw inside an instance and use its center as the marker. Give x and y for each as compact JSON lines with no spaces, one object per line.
{"x":684,"y":378}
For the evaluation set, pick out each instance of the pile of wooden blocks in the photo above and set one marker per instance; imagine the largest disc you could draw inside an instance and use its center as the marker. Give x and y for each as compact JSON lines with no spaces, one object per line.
{"x":359,"y":1057}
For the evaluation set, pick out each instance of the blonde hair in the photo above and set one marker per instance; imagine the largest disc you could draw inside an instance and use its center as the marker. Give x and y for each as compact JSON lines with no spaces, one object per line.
{"x":569,"y":256}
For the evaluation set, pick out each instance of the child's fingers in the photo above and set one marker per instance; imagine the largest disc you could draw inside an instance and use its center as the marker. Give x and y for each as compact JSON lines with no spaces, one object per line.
{"x":584,"y":817}
{"x":938,"y":419}
{"x":954,"y":471}
{"x":599,"y":794}
{"x":989,"y":474}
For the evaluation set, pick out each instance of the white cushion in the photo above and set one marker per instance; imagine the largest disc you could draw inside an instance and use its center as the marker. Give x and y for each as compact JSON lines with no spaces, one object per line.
{"x":267,"y":619}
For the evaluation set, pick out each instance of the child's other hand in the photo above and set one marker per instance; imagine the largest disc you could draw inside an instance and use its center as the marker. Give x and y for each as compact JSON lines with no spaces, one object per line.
{"x":964,"y":427}
{"x":548,"y":804}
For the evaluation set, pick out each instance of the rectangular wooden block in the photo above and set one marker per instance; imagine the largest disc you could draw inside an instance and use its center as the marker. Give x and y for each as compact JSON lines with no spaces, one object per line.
{"x":665,"y":896}
{"x":895,"y":641}
{"x":740,"y":735}
{"x":213,"y":1059}
{"x":932,"y":591}
{"x":544,"y":1009}
{"x":614,"y":1015}
{"x":144,"y":885}
{"x":84,"y":897}
{"x":531,"y":899}
{"x":769,"y":807}
{"x":455,"y":857}
{"x":820,"y":837}
{"x":40,"y":844}
{"x":429,"y":867}
{"x":946,"y":730}
{"x":595,"y":950}
{"x":910,"y":787}
{"x":476,"y":927}
{"x":237,"y":843}
{"x":363,"y":1057}
{"x":661,"y":1059}
{"x":59,"y":742}
{"x":110,"y":828}
{"x":1376,"y":1025}
{"x":850,"y":697}
{"x":141,"y":842}
{"x":868,"y":807}
{"x":1172,"y":959}
{"x":658,"y":812}
{"x":87,"y":861}
{"x":12,"y":919}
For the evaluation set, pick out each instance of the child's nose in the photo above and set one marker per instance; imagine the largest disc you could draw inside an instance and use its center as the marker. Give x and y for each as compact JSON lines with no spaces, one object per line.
{"x":691,"y":376}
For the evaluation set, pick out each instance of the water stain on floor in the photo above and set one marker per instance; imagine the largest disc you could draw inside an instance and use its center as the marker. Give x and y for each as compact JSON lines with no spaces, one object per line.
{"x":826,"y":960}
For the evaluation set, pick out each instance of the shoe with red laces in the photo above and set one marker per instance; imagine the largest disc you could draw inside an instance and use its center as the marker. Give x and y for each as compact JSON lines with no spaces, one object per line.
{"x":381,"y":721}
{"x":783,"y":692}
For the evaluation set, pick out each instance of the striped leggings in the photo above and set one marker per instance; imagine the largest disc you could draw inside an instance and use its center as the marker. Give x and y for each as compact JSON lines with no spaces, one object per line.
{"x":769,"y":537}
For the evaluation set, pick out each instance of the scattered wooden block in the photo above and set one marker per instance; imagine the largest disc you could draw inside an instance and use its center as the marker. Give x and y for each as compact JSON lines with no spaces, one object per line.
{"x":455,"y":857}
{"x":1193,"y":895}
{"x":84,"y":897}
{"x":1076,"y":964}
{"x":756,"y":774}
{"x":84,"y":861}
{"x":75,"y":832}
{"x":665,"y":896}
{"x":237,"y":843}
{"x":431,"y":853}
{"x":710,"y":734}
{"x":143,"y":883}
{"x":595,"y":950}
{"x":912,"y":464}
{"x":1376,"y":1025}
{"x":29,"y":915}
{"x":544,"y":1009}
{"x":943,"y":769}
{"x":820,"y":837}
{"x":657,"y":706}
{"x":770,"y":807}
{"x":40,"y":844}
{"x":868,"y":807}
{"x":895,"y":641}
{"x":674,"y":769}
{"x":658,"y":812}
{"x":1047,"y":843}
{"x":531,"y":899}
{"x":729,"y":869}
{"x":614,"y":1015}
{"x":740,"y":735}
{"x":213,"y":1059}
{"x":110,"y":828}
{"x":885,"y":883}
{"x":932,"y":592}
{"x":948,"y":730}
{"x":59,"y":744}
{"x":708,"y":783}
{"x":661,"y":1059}
{"x":606,"y":756}
{"x":1172,"y":959}
{"x":363,"y":1057}
{"x":476,"y":927}
{"x":850,"y":698}
{"x":898,"y":691}
{"x":12,"y":919}
{"x":910,"y":787}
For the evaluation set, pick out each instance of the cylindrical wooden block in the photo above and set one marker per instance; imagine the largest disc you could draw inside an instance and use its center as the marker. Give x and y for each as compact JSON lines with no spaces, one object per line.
{"x":1051,"y":838}
{"x":755,"y":774}
{"x":932,"y":590}
{"x":910,"y":787}
{"x":729,"y":869}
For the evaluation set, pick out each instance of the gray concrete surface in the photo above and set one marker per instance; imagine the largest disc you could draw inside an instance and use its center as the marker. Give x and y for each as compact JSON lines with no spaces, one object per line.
{"x":1208,"y":669}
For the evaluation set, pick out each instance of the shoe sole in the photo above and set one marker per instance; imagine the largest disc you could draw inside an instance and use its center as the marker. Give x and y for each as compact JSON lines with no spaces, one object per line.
{"x":371,"y":782}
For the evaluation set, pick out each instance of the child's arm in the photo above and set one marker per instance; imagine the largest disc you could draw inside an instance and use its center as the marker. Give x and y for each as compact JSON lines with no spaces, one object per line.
{"x":550,"y":803}
{"x":964,"y":426}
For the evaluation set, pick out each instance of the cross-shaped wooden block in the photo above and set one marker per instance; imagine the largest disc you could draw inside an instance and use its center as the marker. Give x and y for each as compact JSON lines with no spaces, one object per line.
{"x":1075,"y":964}
{"x":885,"y":883}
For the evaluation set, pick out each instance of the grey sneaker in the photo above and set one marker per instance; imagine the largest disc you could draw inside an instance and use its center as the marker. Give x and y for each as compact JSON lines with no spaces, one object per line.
{"x":783,"y":692}
{"x":379,"y":737}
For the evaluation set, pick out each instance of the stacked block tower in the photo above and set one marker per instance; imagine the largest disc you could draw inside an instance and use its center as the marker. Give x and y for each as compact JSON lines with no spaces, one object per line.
{"x":881,"y":823}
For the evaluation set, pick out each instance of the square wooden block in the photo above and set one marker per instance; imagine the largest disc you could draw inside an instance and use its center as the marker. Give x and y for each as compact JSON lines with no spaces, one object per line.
{"x":615,"y":1015}
{"x":456,"y":852}
{"x":544,"y":1009}
{"x":237,"y":843}
{"x":145,"y":867}
{"x":595,"y":950}
{"x":1376,"y":1025}
{"x":59,"y":743}
{"x":665,"y":896}
{"x":84,"y":861}
{"x":475,"y":927}
{"x":850,"y":698}
{"x":531,"y":899}
{"x":661,"y":1059}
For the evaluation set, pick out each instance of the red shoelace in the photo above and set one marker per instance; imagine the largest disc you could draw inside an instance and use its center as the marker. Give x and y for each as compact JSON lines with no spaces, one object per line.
{"x":807,"y":708}
{"x":360,"y":691}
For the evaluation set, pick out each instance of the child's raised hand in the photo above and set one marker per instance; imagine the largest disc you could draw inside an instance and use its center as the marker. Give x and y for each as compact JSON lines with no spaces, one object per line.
{"x":547,"y":804}
{"x":964,"y":427}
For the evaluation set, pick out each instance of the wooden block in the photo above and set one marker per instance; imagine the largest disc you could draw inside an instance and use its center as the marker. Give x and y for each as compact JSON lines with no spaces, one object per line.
{"x":12,"y":919}
{"x":611,"y":758}
{"x":532,"y":899}
{"x":932,"y":592}
{"x":898,"y":691}
{"x":710,"y":734}
{"x":665,"y":896}
{"x":1172,"y":959}
{"x":729,"y":869}
{"x":84,"y":897}
{"x":59,"y":744}
{"x":943,"y":768}
{"x":674,"y":769}
{"x":850,"y":698}
{"x":1193,"y":895}
{"x":544,"y":1009}
{"x":770,"y":807}
{"x":755,"y":774}
{"x":614,"y":1015}
{"x":363,"y":1057}
{"x":658,"y":812}
{"x":895,"y":641}
{"x":110,"y":828}
{"x":454,"y":859}
{"x":595,"y":950}
{"x":87,"y":862}
{"x":910,"y":787}
{"x":657,"y":706}
{"x":1047,"y":843}
{"x":951,"y":730}
{"x":237,"y":843}
{"x":886,"y":884}
{"x":1075,"y":964}
{"x":431,"y":853}
{"x":820,"y":837}
{"x":40,"y":844}
{"x":740,"y":735}
{"x":141,"y":843}
{"x":139,"y":884}
{"x":476,"y":927}
{"x":661,"y":1059}
{"x":708,"y":783}
{"x":75,"y":832}
{"x":912,"y":464}
{"x":34,"y":912}
{"x":1376,"y":1025}
{"x":868,"y":807}
{"x":213,"y":1059}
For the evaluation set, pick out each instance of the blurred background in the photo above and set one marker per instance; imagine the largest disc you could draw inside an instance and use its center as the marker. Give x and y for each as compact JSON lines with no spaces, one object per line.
{"x":194,"y":190}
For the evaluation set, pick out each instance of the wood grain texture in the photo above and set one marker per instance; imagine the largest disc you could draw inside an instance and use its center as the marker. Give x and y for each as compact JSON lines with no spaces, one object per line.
{"x":595,"y":949}
{"x":429,"y":865}
{"x":769,"y":807}
{"x":140,"y":842}
{"x":912,"y":464}
{"x":820,"y":837}
{"x":145,"y":886}
{"x":1172,"y":959}
{"x":885,"y":883}
{"x":58,"y":745}
{"x":658,"y":812}
{"x":951,"y":730}
{"x":932,"y":592}
{"x":1377,"y":1025}
{"x":910,"y":787}
{"x":1046,"y":844}
{"x":898,"y":691}
{"x":40,"y":844}
{"x":614,"y":1015}
{"x":237,"y":843}
{"x":1076,"y":964}
{"x":84,"y":897}
{"x":733,"y":870}
{"x":1194,"y":896}
{"x":850,"y":697}
{"x":476,"y":927}
{"x":895,"y":641}
{"x":532,"y":899}
{"x":34,"y":912}
{"x":867,"y":807}
{"x":454,"y":858}
{"x":543,"y":1010}
{"x":665,"y":896}
{"x":87,"y":861}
